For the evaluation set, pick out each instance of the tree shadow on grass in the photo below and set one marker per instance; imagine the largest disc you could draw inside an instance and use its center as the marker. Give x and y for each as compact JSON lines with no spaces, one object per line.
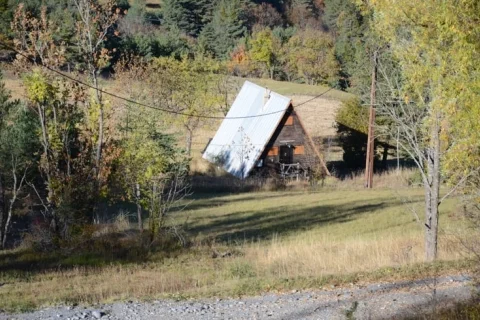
{"x":107,"y":249}
{"x":201,"y":201}
{"x":245,"y":225}
{"x":209,"y":200}
{"x":284,"y":220}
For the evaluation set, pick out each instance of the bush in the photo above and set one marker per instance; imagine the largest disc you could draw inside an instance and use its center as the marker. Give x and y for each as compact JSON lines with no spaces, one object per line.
{"x":461,"y":311}
{"x":241,"y":270}
{"x":415,"y":179}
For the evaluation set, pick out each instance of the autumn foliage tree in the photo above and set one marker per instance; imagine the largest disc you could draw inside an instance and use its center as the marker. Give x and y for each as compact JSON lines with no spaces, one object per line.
{"x":239,"y":64}
{"x":187,"y":89}
{"x":151,"y":168}
{"x":437,"y":46}
{"x":148,"y":161}
{"x":65,"y":134}
{"x":95,"y":26}
{"x":264,"y":49}
{"x":266,"y":16}
{"x":311,"y":55}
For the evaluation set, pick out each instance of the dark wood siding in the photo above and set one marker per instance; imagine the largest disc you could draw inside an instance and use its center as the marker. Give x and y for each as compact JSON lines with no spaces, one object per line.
{"x":289,"y":132}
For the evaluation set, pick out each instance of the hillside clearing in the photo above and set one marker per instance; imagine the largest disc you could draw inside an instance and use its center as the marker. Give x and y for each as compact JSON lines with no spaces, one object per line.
{"x":317,"y":113}
{"x":292,"y":88}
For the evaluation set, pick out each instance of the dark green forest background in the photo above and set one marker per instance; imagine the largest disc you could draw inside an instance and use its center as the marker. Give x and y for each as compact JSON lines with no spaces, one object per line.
{"x":307,"y":41}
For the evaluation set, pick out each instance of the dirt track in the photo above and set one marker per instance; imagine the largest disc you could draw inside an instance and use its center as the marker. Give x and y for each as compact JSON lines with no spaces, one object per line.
{"x":374,"y":301}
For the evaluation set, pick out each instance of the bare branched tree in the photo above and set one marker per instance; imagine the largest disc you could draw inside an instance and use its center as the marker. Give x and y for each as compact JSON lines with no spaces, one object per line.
{"x":167,"y":194}
{"x":244,"y":150}
{"x":417,"y":125}
{"x":95,"y":26}
{"x":187,"y":91}
{"x":227,"y":87}
{"x":18,"y":183}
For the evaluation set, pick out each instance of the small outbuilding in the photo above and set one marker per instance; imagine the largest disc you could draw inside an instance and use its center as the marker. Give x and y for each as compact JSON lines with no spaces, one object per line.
{"x":262,"y":133}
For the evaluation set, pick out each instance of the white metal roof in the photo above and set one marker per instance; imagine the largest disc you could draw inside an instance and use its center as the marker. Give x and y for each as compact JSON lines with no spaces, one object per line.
{"x":238,"y":143}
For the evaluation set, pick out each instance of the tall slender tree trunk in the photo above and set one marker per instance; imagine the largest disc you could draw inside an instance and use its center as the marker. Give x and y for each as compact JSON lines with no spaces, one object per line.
{"x":188,"y":141}
{"x":98,"y":154}
{"x":139,"y":207}
{"x":398,"y":153}
{"x":153,"y":218}
{"x":46,"y":149}
{"x":17,"y":187}
{"x":2,"y":207}
{"x":432,"y":194}
{"x":99,"y":148}
{"x":6,"y":227}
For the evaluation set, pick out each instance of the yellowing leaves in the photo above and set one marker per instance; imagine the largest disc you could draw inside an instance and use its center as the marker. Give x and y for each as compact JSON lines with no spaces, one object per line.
{"x":38,"y":87}
{"x":438,"y":46}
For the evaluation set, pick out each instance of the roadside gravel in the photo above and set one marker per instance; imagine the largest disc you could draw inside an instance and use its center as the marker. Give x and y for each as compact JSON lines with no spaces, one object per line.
{"x":373,"y":301}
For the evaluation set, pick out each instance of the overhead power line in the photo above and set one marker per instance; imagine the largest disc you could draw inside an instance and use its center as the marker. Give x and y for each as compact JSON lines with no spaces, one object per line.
{"x":3,"y":44}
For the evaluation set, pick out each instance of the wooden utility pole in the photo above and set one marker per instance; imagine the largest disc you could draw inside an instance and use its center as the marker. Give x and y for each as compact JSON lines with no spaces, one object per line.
{"x":371,"y":123}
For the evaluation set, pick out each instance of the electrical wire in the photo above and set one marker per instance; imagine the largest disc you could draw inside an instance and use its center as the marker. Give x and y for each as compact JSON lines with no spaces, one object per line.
{"x":3,"y":44}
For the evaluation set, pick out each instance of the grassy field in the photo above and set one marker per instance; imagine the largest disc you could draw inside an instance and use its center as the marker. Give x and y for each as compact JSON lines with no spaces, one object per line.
{"x":251,"y":242}
{"x":292,"y":89}
{"x":246,"y":244}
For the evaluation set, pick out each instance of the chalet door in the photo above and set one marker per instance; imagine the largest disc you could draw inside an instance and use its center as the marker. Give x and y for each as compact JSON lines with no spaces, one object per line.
{"x":286,"y":154}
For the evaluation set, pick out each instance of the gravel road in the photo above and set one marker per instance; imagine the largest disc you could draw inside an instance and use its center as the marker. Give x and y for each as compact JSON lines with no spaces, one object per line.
{"x":373,"y":301}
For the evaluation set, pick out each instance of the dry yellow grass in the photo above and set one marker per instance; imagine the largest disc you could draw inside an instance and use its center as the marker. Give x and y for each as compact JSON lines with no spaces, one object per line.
{"x":270,"y":241}
{"x":13,"y":83}
{"x":299,"y":264}
{"x":308,"y":256}
{"x":317,"y":115}
{"x":291,"y":88}
{"x":303,"y":263}
{"x":390,"y":179}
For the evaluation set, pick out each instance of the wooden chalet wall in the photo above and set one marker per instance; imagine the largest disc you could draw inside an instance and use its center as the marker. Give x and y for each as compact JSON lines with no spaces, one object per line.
{"x":290,"y":132}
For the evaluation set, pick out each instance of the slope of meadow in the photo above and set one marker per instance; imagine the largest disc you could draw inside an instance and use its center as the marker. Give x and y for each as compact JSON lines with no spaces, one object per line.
{"x":251,"y":242}
{"x":247,"y":244}
{"x":317,"y":113}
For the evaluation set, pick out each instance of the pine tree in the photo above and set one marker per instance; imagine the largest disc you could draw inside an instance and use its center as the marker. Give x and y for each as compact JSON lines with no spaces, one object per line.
{"x":350,"y":29}
{"x":206,"y":40}
{"x":189,"y":16}
{"x":5,"y":100}
{"x":205,"y":9}
{"x":228,"y":26}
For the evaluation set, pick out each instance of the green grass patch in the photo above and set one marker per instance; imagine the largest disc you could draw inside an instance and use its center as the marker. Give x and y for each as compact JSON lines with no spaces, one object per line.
{"x":291,"y":88}
{"x":246,"y":244}
{"x":327,"y":213}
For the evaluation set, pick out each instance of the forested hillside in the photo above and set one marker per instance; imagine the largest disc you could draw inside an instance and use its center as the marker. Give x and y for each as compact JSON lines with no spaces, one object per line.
{"x":311,"y":41}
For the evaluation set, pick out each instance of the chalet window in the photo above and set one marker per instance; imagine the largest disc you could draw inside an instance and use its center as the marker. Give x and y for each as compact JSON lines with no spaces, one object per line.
{"x":299,"y":150}
{"x":289,"y":121}
{"x":273,"y":152}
